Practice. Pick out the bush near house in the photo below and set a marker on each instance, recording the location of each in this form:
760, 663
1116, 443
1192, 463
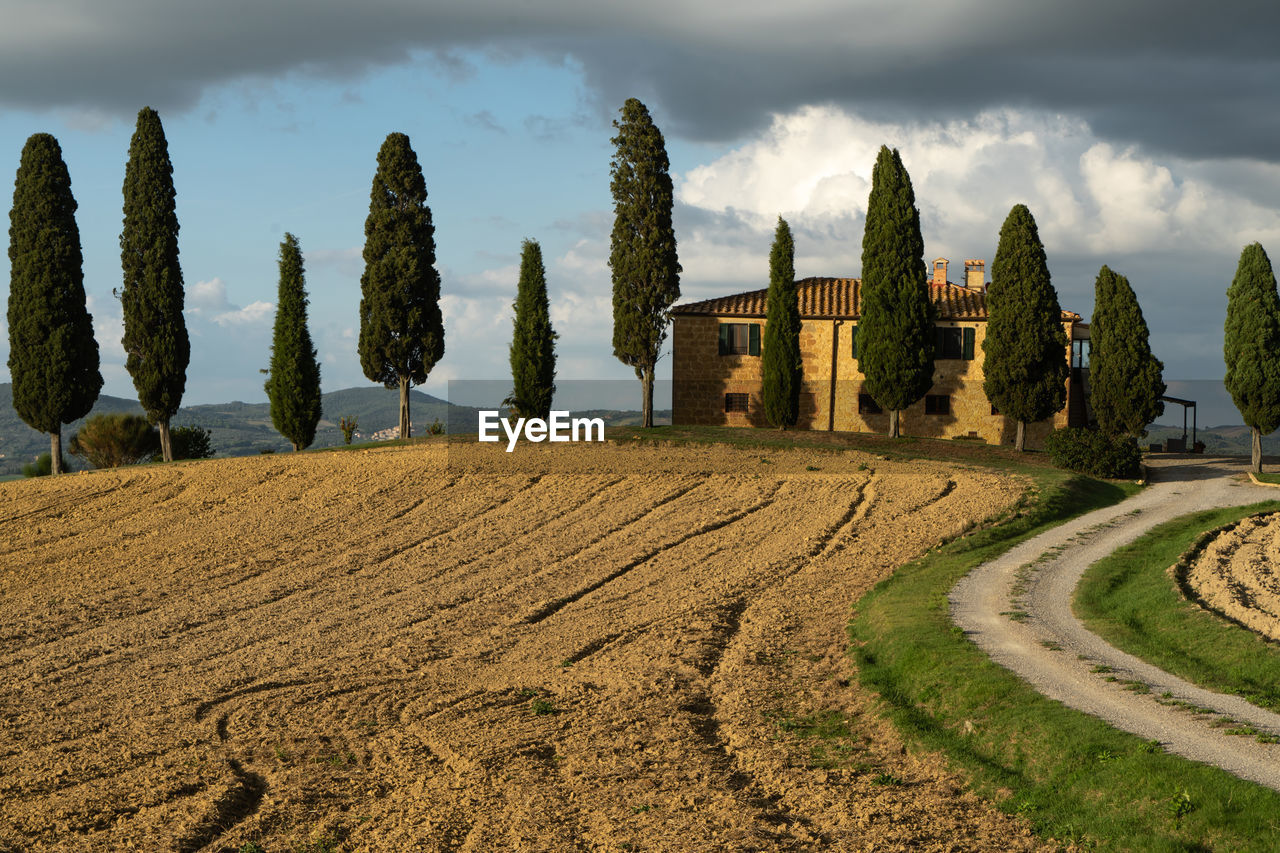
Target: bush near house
1095, 453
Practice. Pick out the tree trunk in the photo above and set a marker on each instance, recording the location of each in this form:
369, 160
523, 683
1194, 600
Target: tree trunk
893, 423
404, 407
646, 382
166, 442
1020, 442
1257, 449
55, 451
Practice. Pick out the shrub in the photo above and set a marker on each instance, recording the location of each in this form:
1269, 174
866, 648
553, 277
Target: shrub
348, 424
42, 467
1094, 453
109, 441
191, 442
436, 428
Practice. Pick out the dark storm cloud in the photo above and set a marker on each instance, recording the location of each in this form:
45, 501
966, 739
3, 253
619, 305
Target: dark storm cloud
1190, 78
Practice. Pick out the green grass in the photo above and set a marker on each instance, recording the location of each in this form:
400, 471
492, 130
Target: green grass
1269, 477
1130, 600
1074, 777
1000, 457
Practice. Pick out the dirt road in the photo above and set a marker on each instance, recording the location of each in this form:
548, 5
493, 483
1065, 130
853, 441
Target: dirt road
1053, 651
601, 648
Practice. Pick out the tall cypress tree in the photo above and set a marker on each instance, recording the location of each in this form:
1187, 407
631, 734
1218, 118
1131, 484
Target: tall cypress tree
1025, 351
156, 345
780, 361
1251, 345
1125, 382
895, 329
401, 328
533, 342
293, 382
642, 256
53, 357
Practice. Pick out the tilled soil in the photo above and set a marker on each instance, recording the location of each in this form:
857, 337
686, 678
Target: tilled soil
596, 648
1236, 574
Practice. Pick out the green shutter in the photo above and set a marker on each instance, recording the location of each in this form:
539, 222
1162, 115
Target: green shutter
969, 336
937, 342
724, 338
853, 333
753, 339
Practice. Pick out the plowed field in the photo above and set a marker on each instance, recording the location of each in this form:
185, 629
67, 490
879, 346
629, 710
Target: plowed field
1238, 574
596, 648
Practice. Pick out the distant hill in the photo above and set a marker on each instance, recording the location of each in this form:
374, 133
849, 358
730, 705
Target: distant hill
244, 429
1225, 440
236, 429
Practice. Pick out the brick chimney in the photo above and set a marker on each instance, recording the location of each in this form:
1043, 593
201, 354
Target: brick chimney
940, 270
975, 276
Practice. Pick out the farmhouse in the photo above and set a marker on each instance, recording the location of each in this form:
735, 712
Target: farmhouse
716, 375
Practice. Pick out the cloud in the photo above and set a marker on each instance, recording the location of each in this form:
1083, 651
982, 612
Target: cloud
813, 167
1178, 76
1173, 225
349, 261
208, 299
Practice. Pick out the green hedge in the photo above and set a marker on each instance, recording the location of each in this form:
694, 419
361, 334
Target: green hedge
1095, 453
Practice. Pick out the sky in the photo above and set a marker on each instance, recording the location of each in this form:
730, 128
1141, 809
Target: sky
1142, 135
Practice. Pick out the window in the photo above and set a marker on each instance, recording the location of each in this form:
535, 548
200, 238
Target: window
951, 342
937, 404
867, 405
739, 338
853, 333
736, 402
1080, 351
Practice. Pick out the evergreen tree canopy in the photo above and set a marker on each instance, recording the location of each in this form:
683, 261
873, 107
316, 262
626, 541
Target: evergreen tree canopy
155, 341
1124, 377
895, 330
401, 328
1025, 350
293, 381
1251, 345
53, 357
780, 360
642, 256
533, 353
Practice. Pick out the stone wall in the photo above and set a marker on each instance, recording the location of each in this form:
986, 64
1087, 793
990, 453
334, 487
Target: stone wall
702, 377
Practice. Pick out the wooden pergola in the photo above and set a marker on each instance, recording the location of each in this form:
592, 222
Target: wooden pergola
1185, 404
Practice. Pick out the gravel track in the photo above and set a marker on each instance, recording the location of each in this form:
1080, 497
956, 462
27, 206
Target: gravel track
1056, 654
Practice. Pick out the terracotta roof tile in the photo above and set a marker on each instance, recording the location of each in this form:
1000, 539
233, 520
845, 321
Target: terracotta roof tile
841, 297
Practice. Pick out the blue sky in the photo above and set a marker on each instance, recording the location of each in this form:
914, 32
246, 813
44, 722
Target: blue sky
274, 117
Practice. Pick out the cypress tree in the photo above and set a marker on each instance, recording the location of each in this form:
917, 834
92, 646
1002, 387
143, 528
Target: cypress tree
155, 341
895, 329
533, 353
1025, 351
642, 256
53, 357
293, 382
780, 361
1125, 379
401, 329
1251, 346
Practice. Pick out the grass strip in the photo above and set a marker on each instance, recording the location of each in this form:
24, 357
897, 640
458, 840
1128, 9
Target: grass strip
1131, 601
1076, 779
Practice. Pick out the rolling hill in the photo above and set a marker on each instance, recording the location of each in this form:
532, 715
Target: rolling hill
244, 429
